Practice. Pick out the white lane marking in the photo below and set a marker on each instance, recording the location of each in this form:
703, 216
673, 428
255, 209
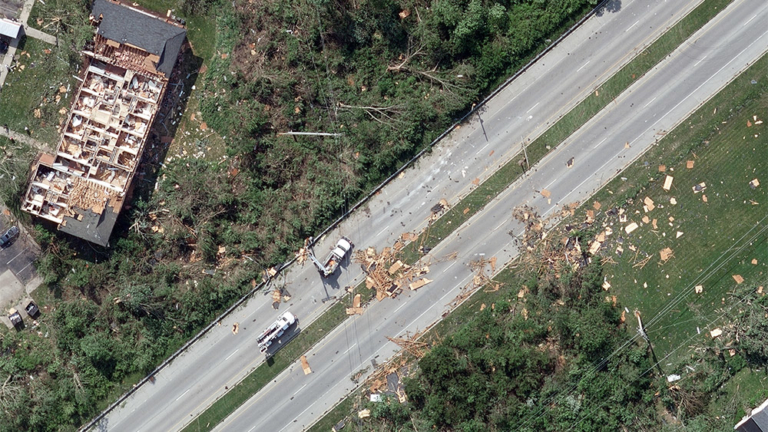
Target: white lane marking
500, 225
598, 144
322, 398
349, 349
182, 395
649, 102
749, 20
380, 232
297, 391
17, 255
537, 103
400, 307
631, 26
582, 67
697, 63
233, 353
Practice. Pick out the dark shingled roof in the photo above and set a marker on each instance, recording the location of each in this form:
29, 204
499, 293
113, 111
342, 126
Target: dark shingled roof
96, 228
150, 33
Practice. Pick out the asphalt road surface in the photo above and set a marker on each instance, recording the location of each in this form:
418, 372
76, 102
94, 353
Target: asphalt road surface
19, 256
652, 106
528, 106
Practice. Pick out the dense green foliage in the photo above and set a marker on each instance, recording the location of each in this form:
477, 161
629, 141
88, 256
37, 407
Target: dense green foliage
388, 75
545, 363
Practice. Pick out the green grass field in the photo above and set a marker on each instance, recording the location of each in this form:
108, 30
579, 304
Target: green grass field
712, 240
34, 85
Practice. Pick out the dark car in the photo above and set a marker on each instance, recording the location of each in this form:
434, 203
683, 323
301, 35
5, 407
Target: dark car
9, 235
3, 46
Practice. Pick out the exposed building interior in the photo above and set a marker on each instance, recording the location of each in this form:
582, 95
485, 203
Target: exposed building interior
83, 186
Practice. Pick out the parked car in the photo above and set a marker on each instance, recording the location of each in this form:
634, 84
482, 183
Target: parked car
8, 235
3, 46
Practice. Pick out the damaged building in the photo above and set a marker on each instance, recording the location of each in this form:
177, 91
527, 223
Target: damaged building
83, 186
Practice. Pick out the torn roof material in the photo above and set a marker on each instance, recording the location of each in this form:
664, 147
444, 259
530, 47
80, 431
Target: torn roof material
9, 28
128, 25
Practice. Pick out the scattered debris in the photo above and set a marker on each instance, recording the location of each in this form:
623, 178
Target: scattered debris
754, 183
235, 328
646, 220
739, 280
569, 163
703, 197
673, 201
754, 261
305, 365
716, 332
631, 227
545, 193
596, 205
662, 168
678, 234
366, 412
699, 187
653, 222
699, 289
689, 164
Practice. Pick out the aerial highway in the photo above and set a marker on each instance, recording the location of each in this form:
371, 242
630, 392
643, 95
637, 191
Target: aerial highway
602, 148
522, 111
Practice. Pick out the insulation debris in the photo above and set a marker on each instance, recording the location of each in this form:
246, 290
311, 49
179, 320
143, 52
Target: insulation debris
668, 183
653, 222
738, 279
754, 261
305, 365
662, 168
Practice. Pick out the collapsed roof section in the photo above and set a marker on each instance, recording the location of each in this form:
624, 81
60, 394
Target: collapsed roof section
83, 186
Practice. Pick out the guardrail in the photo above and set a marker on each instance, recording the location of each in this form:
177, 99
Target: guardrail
338, 221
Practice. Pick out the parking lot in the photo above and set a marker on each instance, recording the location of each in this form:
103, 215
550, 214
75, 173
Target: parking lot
19, 257
10, 8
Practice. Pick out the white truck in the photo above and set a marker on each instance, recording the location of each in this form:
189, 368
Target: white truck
275, 330
329, 266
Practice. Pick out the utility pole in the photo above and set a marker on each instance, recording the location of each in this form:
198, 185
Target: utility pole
640, 328
525, 153
311, 133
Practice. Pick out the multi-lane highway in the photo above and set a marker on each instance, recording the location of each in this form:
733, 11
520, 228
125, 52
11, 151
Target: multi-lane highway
523, 110
608, 143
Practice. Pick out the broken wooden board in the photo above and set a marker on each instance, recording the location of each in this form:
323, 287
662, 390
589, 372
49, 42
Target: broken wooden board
631, 227
668, 183
689, 164
305, 365
419, 283
355, 311
649, 205
395, 267
666, 254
